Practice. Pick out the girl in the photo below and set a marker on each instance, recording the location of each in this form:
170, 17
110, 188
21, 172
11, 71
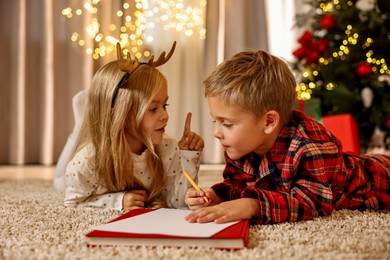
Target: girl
123, 159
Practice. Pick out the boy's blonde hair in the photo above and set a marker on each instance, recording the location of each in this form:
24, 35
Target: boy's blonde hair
255, 81
107, 128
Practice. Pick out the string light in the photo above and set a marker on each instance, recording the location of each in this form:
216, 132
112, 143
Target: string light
330, 86
305, 90
136, 18
326, 7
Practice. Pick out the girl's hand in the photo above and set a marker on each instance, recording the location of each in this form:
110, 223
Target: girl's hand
227, 211
134, 199
190, 140
194, 199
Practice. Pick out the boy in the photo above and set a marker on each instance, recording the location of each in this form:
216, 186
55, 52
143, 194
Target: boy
280, 165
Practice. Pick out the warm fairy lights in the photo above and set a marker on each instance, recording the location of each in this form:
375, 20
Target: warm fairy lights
175, 15
136, 18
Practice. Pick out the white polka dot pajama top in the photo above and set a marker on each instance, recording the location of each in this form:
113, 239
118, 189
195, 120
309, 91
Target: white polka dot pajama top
82, 188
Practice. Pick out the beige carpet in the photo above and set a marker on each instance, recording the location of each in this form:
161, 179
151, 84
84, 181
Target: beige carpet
35, 225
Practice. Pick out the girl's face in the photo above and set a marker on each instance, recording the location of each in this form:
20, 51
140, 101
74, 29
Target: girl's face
238, 131
156, 116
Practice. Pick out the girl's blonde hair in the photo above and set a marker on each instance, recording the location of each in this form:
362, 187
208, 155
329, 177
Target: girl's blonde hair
106, 128
255, 81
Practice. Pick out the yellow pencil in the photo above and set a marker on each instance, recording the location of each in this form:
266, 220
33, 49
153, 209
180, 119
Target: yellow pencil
193, 184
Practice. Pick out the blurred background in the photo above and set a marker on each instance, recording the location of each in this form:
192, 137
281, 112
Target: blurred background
52, 48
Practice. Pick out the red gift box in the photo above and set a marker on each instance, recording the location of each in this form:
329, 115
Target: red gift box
344, 127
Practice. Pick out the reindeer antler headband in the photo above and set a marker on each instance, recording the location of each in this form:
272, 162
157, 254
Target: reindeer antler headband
128, 65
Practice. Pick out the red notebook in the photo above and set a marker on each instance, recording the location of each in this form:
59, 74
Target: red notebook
232, 237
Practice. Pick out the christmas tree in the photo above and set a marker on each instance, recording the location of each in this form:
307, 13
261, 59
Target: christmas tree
343, 59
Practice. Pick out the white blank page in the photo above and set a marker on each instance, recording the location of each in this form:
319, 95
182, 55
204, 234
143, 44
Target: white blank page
164, 222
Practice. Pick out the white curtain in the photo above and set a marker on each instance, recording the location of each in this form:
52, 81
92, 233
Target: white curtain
41, 70
39, 73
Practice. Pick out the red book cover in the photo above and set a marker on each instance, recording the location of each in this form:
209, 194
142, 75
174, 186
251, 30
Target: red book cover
233, 237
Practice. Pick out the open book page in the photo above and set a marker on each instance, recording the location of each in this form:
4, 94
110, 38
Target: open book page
164, 222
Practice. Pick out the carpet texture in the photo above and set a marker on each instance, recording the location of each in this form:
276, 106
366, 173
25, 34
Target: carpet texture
35, 225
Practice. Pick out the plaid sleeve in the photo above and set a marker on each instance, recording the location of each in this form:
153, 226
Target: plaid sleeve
233, 184
301, 190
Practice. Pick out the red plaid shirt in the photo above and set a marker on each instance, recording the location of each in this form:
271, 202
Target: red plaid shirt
306, 175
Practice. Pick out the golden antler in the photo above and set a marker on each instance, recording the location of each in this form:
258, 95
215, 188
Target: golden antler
126, 65
162, 59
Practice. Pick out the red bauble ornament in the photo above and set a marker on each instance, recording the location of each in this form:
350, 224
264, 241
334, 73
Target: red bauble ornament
328, 22
322, 45
364, 69
388, 124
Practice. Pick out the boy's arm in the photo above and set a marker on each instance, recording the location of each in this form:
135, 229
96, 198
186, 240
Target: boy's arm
232, 185
227, 211
302, 193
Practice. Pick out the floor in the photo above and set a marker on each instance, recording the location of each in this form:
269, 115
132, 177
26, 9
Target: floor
208, 175
27, 172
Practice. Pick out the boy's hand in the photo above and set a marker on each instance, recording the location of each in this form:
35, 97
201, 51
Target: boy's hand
134, 199
227, 211
194, 199
190, 140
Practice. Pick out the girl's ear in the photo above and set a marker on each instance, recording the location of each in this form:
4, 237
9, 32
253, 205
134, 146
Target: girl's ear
272, 121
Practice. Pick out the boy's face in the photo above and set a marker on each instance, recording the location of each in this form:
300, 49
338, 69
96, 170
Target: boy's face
156, 116
238, 131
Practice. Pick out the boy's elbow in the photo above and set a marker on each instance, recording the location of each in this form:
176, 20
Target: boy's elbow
329, 210
326, 210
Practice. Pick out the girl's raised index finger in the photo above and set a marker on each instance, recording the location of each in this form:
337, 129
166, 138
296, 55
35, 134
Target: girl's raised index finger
187, 125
